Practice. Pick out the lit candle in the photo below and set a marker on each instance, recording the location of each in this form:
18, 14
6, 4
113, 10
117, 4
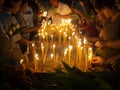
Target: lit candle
21, 62
80, 56
64, 40
69, 39
73, 39
52, 39
43, 38
36, 62
54, 50
90, 55
44, 59
46, 35
42, 49
65, 53
86, 53
78, 48
51, 55
39, 35
59, 37
85, 41
70, 48
34, 53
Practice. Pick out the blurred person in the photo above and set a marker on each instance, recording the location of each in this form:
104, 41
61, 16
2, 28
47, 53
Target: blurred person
34, 5
111, 36
10, 52
22, 22
58, 11
1, 4
26, 30
89, 16
28, 16
10, 23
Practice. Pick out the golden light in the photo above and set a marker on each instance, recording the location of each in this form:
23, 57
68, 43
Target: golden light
21, 61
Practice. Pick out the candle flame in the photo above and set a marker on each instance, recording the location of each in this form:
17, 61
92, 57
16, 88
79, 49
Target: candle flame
70, 47
51, 55
65, 52
36, 56
33, 44
54, 46
21, 61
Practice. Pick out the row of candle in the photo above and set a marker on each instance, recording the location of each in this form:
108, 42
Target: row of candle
66, 37
79, 55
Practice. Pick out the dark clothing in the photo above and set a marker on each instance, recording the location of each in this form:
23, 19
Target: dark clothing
20, 20
111, 32
7, 19
10, 52
91, 31
23, 24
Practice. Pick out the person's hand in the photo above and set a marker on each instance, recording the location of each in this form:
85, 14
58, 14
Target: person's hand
62, 16
114, 62
58, 15
97, 61
75, 11
101, 34
116, 66
36, 28
111, 60
100, 44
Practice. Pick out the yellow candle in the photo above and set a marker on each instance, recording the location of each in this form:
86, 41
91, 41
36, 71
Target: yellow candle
69, 39
36, 62
34, 53
59, 37
21, 61
44, 59
65, 53
52, 39
39, 35
85, 41
23, 65
51, 55
42, 49
69, 61
64, 38
90, 54
54, 51
46, 35
43, 38
80, 56
73, 39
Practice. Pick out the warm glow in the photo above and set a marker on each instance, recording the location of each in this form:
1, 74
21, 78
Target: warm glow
33, 44
36, 56
44, 14
85, 41
53, 45
51, 55
21, 61
65, 52
70, 47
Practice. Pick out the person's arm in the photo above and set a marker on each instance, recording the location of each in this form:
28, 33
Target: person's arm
114, 62
93, 39
82, 14
31, 29
28, 30
115, 44
112, 59
62, 16
23, 41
